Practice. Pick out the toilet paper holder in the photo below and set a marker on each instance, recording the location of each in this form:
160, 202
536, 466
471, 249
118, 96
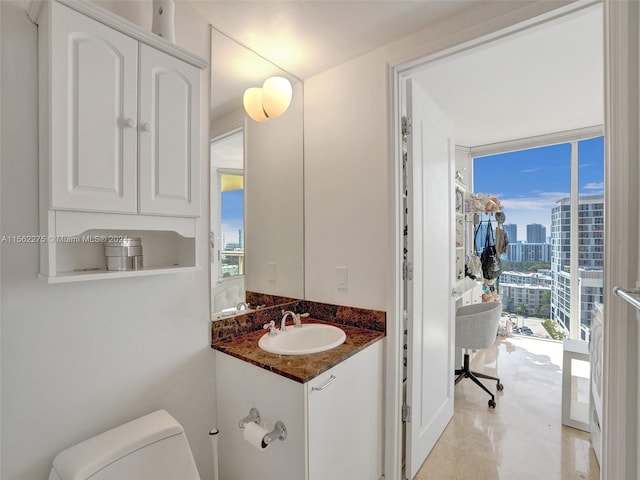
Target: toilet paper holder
279, 431
254, 416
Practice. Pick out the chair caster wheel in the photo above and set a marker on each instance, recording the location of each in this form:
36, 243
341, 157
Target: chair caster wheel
492, 403
499, 387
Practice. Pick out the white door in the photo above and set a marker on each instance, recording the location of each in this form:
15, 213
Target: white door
430, 328
169, 140
93, 113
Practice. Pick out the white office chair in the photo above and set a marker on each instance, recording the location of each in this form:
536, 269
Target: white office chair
477, 327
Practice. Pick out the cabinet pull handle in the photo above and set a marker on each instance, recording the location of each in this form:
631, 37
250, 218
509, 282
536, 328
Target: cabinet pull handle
131, 123
332, 379
146, 126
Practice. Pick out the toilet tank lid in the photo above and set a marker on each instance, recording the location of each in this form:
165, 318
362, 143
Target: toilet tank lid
86, 458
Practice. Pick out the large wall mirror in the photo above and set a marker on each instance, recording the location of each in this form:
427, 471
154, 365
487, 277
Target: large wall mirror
257, 224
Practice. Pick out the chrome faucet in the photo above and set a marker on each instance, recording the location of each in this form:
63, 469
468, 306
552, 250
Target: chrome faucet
294, 317
242, 306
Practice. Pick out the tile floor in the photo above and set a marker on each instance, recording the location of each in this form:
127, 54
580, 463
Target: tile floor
523, 438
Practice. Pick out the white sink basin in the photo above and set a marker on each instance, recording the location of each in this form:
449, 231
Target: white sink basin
309, 338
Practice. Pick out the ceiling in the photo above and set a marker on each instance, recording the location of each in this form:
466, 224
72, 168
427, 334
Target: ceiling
306, 37
543, 80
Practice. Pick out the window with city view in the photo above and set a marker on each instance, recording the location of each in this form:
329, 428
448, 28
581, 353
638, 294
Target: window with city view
549, 278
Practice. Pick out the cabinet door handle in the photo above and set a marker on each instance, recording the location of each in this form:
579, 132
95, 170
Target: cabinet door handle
332, 379
146, 126
131, 123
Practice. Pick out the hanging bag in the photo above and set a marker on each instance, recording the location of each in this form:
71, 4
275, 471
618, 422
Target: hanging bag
474, 264
490, 260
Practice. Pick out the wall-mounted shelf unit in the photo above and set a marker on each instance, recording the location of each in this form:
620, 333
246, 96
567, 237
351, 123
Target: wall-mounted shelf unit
119, 143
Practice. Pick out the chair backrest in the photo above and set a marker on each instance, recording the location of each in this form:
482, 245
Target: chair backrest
477, 324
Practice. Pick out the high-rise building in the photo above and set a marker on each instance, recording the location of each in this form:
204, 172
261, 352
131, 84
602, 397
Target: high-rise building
590, 259
511, 230
526, 278
536, 233
529, 252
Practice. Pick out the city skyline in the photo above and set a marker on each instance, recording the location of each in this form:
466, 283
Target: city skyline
534, 188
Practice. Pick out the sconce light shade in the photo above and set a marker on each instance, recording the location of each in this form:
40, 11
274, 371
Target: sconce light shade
276, 96
252, 101
270, 101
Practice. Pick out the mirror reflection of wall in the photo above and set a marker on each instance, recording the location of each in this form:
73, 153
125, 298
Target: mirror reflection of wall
265, 256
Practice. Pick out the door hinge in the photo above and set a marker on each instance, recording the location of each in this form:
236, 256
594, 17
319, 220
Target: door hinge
406, 413
406, 126
407, 270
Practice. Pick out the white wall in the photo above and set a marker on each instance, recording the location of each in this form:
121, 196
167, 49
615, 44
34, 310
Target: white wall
348, 171
346, 196
84, 357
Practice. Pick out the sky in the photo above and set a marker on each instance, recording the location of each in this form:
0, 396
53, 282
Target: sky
232, 215
530, 182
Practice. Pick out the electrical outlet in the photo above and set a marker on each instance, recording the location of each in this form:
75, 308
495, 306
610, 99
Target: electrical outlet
342, 280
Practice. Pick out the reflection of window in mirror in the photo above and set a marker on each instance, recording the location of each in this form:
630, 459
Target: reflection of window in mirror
231, 223
227, 221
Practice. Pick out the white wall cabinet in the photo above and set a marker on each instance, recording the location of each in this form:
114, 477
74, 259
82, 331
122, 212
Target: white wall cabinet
169, 139
116, 102
93, 92
119, 141
334, 422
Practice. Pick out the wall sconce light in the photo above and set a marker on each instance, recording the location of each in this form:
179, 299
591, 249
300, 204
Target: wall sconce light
270, 101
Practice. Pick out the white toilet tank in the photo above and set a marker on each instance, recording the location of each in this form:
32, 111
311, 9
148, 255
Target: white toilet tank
153, 447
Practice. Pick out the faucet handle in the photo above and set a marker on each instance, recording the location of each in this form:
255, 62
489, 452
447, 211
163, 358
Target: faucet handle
298, 322
272, 328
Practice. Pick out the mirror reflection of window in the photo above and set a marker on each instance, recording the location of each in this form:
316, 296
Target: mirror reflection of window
227, 221
231, 224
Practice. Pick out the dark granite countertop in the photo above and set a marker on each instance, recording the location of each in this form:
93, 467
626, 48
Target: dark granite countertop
300, 368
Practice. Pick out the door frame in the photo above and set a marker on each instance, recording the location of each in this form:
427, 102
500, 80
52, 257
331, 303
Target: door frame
619, 432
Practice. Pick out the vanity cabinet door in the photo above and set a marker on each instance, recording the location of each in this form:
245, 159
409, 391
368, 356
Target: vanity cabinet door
93, 104
345, 419
169, 139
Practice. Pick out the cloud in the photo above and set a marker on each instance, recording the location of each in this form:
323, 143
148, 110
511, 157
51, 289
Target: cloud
541, 201
598, 186
530, 170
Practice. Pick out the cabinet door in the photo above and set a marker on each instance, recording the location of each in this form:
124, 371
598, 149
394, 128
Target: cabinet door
169, 135
93, 115
345, 419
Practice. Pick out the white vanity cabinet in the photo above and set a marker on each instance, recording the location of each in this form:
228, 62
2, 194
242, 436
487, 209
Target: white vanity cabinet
119, 135
124, 121
344, 417
334, 421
